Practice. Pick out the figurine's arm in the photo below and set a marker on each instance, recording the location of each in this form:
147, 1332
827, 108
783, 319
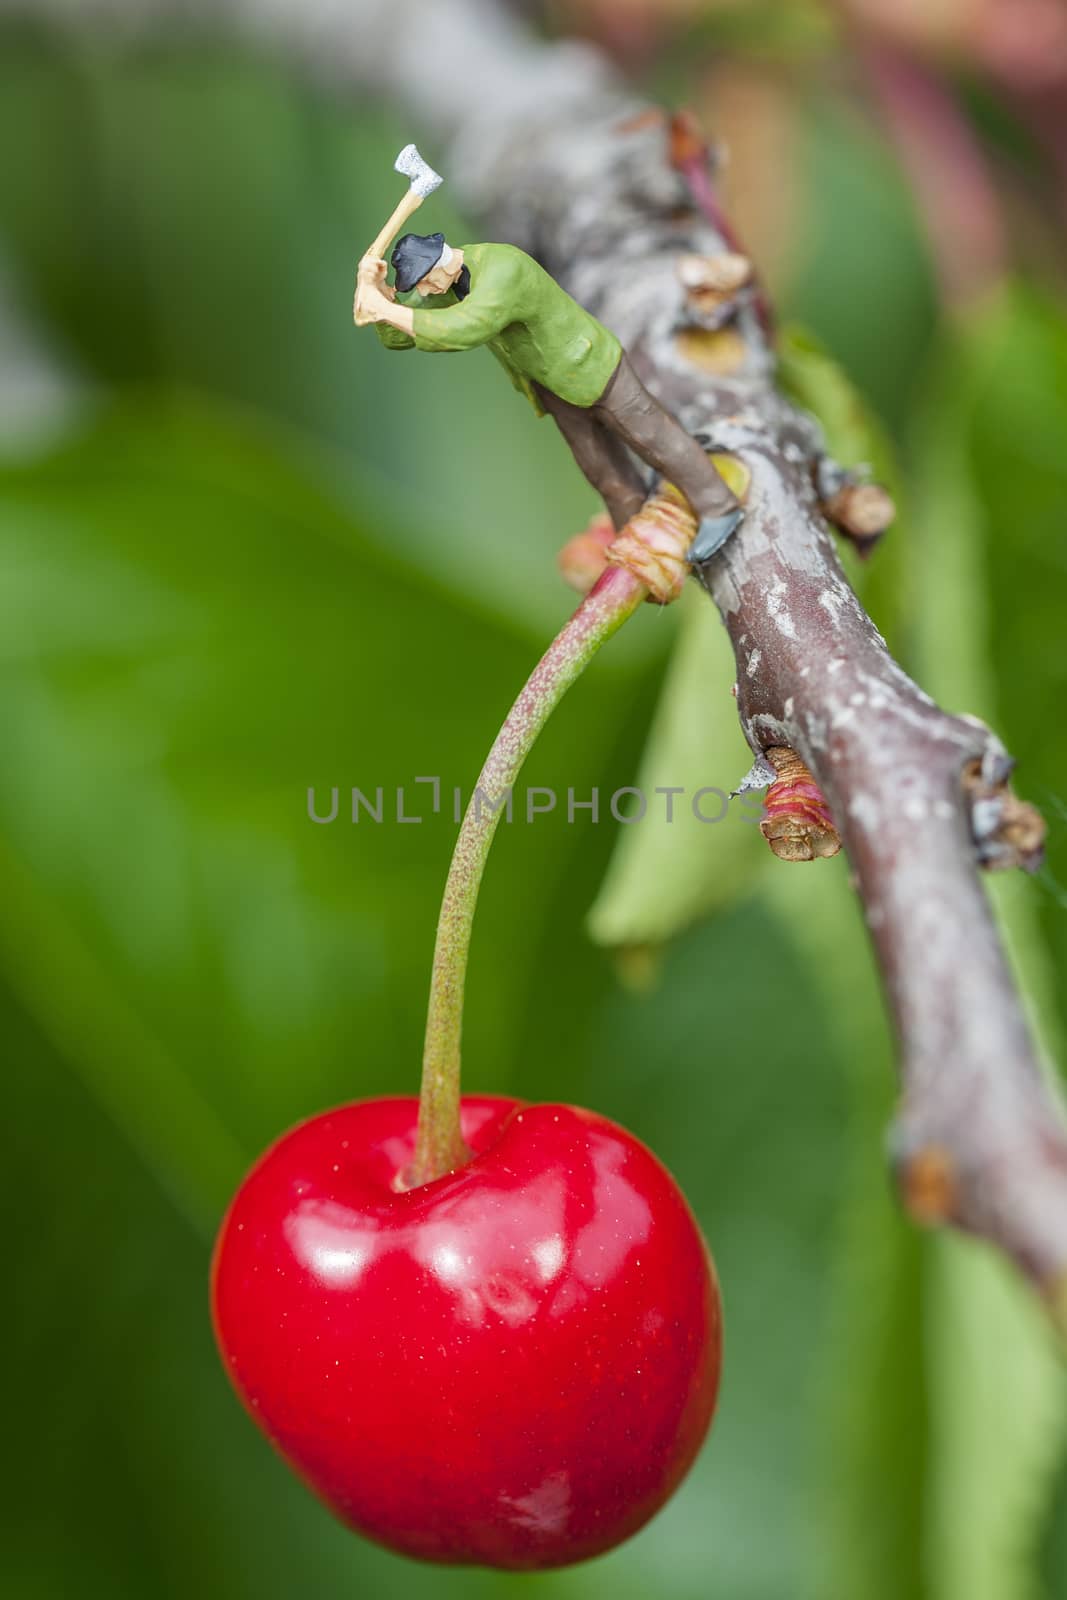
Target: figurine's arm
488, 309
376, 303
493, 302
393, 322
394, 338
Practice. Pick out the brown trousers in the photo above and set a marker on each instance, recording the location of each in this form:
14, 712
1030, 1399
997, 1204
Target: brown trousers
627, 415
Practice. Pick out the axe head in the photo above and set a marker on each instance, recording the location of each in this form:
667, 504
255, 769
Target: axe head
424, 180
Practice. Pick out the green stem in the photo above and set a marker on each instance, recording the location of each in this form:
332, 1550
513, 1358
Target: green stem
439, 1145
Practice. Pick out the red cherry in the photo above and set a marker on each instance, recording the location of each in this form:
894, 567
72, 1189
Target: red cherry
513, 1365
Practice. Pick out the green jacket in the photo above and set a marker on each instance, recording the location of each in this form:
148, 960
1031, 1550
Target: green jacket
531, 325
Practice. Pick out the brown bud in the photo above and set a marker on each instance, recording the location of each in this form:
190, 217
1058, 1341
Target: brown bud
1007, 831
796, 823
928, 1185
712, 285
687, 142
863, 512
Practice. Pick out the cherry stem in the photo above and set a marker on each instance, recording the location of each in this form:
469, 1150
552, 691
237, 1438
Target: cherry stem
439, 1146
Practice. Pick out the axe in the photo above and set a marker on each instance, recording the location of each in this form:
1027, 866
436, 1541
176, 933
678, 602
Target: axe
424, 180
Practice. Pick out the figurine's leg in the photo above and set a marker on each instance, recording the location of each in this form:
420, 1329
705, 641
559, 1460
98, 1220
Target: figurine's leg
659, 438
602, 456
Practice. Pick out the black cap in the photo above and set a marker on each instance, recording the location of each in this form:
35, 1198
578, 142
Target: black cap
415, 255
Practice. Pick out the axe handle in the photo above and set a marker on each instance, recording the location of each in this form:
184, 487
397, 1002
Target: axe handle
410, 204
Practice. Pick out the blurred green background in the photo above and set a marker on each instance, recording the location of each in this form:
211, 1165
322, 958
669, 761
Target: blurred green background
244, 551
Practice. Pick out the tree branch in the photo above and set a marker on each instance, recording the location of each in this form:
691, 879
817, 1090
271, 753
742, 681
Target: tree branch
558, 159
979, 1139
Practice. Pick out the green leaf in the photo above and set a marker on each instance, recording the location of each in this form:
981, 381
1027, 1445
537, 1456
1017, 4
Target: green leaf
998, 1391
809, 374
191, 634
733, 1072
859, 267
871, 1473
666, 874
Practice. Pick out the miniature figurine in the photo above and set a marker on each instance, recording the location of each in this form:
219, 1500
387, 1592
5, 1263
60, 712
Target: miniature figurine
567, 363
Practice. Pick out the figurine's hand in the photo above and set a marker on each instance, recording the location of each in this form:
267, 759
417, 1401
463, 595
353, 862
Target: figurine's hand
370, 305
372, 270
371, 290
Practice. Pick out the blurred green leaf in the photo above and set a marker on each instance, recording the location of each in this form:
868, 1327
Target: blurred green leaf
732, 1071
192, 636
1016, 381
860, 277
766, 29
998, 1392
194, 218
136, 1475
665, 874
810, 376
871, 1475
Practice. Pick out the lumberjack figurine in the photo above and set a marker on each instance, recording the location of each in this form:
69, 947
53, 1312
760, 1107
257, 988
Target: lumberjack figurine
565, 362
